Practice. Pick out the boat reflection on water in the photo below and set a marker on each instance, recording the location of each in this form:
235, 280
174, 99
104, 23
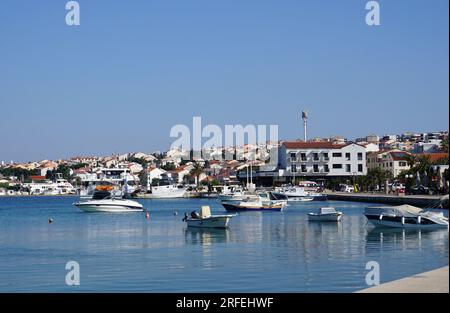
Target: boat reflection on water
206, 236
406, 238
326, 228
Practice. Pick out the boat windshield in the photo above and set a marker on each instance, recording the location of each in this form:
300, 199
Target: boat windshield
327, 210
100, 195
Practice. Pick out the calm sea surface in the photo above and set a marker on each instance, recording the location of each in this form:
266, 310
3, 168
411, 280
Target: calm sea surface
261, 252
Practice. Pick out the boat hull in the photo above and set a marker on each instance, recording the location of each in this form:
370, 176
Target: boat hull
237, 208
396, 222
325, 217
166, 194
294, 197
300, 199
210, 222
114, 206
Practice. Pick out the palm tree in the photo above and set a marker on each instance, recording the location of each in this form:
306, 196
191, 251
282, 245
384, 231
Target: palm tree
410, 160
423, 164
378, 176
444, 144
196, 171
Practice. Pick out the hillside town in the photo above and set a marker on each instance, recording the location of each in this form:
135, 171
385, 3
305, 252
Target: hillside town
418, 162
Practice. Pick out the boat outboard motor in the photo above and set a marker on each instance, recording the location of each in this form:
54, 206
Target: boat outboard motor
186, 216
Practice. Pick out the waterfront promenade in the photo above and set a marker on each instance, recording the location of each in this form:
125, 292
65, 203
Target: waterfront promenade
391, 199
429, 282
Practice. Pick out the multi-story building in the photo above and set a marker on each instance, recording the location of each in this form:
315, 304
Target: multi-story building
394, 161
322, 159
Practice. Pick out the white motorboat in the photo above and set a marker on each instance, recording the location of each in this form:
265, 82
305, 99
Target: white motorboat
206, 220
236, 196
166, 189
405, 216
228, 194
166, 192
300, 199
259, 202
102, 201
297, 192
327, 214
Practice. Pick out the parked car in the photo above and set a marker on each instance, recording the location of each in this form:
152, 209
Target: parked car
420, 190
346, 188
397, 186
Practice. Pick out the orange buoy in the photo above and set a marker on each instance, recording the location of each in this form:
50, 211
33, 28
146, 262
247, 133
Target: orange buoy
147, 215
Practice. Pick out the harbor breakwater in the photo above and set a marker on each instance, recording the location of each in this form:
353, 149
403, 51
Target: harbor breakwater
415, 200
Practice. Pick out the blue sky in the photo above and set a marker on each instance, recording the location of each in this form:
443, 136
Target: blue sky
133, 69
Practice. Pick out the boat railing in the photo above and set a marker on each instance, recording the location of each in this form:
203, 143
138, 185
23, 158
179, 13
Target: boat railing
437, 203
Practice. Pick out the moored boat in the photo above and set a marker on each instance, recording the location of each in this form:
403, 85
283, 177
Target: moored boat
327, 214
206, 220
260, 202
405, 216
295, 193
300, 199
102, 201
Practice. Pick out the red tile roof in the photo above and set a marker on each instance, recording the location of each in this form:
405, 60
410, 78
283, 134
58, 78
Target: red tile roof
433, 157
399, 156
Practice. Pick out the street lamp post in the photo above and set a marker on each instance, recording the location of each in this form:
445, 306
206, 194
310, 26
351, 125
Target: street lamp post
408, 180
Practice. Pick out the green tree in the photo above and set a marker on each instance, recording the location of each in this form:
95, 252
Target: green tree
143, 178
62, 169
78, 166
444, 144
196, 171
168, 167
411, 160
378, 176
19, 172
140, 161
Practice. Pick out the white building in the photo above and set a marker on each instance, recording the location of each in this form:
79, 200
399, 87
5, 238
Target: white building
147, 157
373, 138
322, 159
154, 172
371, 147
394, 161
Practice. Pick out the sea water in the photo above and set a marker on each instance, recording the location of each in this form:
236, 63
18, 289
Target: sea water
260, 252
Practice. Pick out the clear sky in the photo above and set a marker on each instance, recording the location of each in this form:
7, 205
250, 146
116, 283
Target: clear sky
133, 69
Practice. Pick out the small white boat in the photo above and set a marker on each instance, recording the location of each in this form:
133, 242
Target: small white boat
102, 201
300, 199
405, 216
298, 192
327, 214
206, 220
